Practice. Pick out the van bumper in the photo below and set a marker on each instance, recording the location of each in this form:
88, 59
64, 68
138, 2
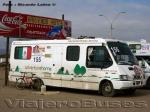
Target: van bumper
127, 84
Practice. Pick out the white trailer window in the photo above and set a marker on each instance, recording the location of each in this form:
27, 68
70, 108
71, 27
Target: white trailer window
73, 53
23, 53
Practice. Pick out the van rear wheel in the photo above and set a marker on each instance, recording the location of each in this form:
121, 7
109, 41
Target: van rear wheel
107, 89
20, 83
37, 84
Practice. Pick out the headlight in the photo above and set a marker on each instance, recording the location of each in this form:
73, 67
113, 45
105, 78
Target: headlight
123, 77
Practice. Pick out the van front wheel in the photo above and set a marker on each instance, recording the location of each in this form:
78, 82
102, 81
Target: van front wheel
107, 89
148, 83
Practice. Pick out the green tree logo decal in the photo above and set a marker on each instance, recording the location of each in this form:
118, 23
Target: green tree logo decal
61, 70
17, 69
79, 70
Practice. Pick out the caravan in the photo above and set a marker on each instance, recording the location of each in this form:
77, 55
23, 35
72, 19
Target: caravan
91, 64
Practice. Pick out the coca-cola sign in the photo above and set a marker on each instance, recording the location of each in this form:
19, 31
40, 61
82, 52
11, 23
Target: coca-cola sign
29, 26
12, 20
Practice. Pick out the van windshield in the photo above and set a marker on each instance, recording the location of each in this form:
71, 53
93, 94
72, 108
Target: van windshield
122, 53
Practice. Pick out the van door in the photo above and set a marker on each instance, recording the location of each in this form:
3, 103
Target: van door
71, 58
97, 61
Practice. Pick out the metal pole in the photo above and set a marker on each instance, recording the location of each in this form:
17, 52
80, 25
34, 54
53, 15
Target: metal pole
63, 17
19, 28
111, 22
111, 28
7, 52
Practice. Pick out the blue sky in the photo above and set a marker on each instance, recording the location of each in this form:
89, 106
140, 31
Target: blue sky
84, 14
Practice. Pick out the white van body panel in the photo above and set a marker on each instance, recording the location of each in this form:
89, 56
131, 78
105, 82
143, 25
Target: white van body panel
52, 67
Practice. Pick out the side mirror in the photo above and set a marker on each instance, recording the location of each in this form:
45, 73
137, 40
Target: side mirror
142, 64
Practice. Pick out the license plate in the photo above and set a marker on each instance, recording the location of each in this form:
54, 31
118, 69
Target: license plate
138, 82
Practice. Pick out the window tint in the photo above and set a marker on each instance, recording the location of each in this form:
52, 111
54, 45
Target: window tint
23, 53
73, 53
122, 53
98, 57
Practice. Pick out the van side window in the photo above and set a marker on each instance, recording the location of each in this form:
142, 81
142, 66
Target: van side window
98, 57
73, 53
23, 53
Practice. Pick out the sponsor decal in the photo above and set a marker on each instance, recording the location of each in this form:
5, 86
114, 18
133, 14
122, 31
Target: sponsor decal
78, 70
48, 55
41, 68
38, 49
16, 20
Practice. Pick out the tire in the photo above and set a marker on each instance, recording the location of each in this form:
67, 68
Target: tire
129, 91
107, 89
20, 83
148, 83
37, 84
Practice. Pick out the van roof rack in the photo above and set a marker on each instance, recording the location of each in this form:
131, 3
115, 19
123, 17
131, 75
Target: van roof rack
86, 37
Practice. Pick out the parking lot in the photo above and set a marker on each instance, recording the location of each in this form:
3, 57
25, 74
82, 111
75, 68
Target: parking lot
69, 100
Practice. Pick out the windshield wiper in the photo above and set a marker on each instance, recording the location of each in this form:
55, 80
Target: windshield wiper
124, 62
133, 62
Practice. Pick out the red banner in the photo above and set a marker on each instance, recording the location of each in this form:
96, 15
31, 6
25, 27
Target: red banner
29, 26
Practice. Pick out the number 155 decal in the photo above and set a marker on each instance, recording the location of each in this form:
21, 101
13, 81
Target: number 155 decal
37, 59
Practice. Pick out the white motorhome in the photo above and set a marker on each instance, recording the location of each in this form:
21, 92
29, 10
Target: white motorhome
89, 64
142, 52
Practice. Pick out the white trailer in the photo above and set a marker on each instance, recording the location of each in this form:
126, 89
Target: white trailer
142, 52
89, 64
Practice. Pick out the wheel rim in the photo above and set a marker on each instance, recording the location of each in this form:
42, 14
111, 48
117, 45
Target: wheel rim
37, 85
108, 88
20, 84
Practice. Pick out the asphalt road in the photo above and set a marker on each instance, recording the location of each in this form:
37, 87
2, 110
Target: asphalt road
69, 100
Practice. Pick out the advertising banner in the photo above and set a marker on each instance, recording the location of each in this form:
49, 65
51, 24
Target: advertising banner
19, 25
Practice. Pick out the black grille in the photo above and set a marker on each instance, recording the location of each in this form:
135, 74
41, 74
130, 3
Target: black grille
130, 68
137, 77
